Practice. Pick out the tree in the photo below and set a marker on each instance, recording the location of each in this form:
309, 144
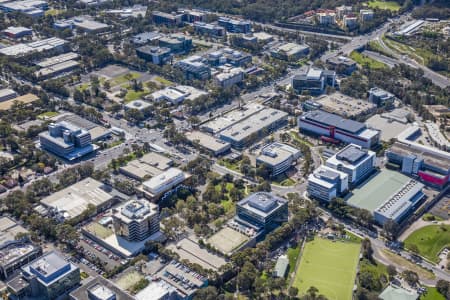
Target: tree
293, 291
78, 96
208, 293
390, 229
411, 277
392, 271
414, 249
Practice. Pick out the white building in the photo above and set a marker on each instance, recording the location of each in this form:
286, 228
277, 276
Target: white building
163, 182
229, 77
326, 18
326, 183
136, 220
366, 15
178, 94
354, 161
278, 157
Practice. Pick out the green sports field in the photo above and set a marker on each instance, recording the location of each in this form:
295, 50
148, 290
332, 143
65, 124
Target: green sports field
330, 267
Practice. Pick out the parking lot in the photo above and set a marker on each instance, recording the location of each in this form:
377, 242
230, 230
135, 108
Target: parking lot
92, 251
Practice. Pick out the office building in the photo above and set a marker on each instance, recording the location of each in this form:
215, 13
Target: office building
47, 45
146, 38
17, 32
176, 95
72, 201
355, 161
134, 11
326, 183
67, 140
229, 56
229, 77
163, 182
366, 15
149, 165
136, 220
139, 105
194, 67
281, 266
157, 290
290, 51
437, 138
326, 18
25, 100
235, 26
14, 252
7, 94
161, 18
278, 157
314, 81
254, 127
155, 55
392, 292
332, 126
57, 65
209, 143
31, 8
342, 65
192, 15
99, 288
349, 21
177, 43
262, 211
49, 277
431, 165
343, 10
380, 97
209, 29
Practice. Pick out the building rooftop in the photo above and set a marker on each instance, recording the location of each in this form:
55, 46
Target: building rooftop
276, 153
87, 23
137, 104
428, 156
49, 268
57, 59
101, 288
261, 203
181, 278
149, 165
16, 30
73, 200
207, 141
398, 293
136, 210
291, 48
253, 124
344, 105
351, 154
155, 290
334, 120
146, 37
37, 46
25, 99
163, 179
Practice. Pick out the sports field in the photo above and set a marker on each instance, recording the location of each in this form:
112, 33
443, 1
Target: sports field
386, 5
430, 240
330, 267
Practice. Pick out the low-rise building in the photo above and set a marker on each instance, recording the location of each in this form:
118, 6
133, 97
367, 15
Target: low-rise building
290, 51
139, 105
380, 97
229, 56
326, 18
342, 64
48, 277
177, 43
235, 26
72, 201
154, 54
194, 68
7, 94
146, 38
229, 77
176, 95
366, 15
262, 211
46, 45
67, 141
326, 183
281, 266
350, 21
17, 32
334, 127
82, 23
314, 81
14, 251
355, 161
162, 183
162, 18
99, 288
209, 29
345, 106
149, 165
278, 157
210, 143
57, 65
31, 8
136, 220
254, 127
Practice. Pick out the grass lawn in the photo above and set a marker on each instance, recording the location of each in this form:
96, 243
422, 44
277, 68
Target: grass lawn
124, 78
134, 95
163, 81
84, 87
387, 5
362, 60
431, 217
292, 255
52, 12
235, 166
432, 294
330, 266
407, 264
430, 240
127, 280
299, 139
47, 115
283, 180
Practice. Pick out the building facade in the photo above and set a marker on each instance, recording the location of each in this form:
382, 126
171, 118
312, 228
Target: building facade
278, 157
326, 183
